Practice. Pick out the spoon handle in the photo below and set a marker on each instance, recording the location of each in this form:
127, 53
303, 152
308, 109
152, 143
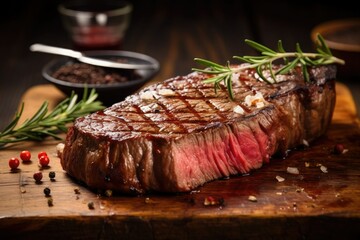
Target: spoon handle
55, 50
149, 63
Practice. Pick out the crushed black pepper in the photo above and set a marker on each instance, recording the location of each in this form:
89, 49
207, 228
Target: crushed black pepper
86, 73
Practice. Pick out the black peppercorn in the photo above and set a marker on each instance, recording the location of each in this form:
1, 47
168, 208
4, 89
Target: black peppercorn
51, 175
47, 191
339, 148
91, 205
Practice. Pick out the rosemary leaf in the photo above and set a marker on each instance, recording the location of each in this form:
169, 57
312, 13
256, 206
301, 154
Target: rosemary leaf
298, 49
38, 115
228, 84
269, 54
323, 45
253, 59
259, 72
288, 67
261, 48
14, 122
305, 73
280, 47
207, 63
272, 73
216, 79
310, 62
210, 71
282, 50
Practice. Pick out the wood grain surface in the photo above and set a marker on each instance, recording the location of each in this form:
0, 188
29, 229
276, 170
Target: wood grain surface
311, 205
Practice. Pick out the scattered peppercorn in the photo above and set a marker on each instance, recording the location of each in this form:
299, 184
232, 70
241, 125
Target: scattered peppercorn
14, 163
91, 205
50, 202
339, 148
47, 191
52, 175
38, 176
77, 190
211, 201
25, 156
44, 161
41, 154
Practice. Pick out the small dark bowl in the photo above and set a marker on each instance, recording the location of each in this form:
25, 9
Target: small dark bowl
107, 93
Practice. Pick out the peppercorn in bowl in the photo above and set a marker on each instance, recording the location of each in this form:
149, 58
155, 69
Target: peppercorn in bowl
111, 84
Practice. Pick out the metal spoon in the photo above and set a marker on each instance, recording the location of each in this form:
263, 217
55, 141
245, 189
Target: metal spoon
90, 60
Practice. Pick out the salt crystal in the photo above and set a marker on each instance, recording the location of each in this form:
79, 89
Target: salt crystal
292, 170
280, 179
255, 100
260, 104
148, 95
166, 92
306, 143
235, 77
323, 169
252, 198
146, 109
239, 109
59, 149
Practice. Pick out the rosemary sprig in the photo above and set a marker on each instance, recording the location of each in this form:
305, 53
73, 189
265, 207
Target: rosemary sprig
48, 124
265, 61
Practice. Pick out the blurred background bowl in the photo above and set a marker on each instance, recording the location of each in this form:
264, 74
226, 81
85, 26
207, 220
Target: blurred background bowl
109, 93
343, 38
95, 25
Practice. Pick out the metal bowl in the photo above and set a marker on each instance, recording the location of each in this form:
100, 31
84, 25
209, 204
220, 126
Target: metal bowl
108, 93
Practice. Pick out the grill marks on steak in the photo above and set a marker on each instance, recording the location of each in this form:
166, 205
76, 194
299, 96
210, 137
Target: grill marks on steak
179, 134
181, 113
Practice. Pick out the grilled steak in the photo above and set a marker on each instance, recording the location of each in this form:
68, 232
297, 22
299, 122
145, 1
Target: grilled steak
179, 134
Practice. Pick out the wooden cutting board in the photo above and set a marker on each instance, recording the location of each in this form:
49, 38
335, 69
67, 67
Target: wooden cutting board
311, 205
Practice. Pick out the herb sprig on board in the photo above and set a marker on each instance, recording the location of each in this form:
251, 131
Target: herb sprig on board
265, 61
45, 123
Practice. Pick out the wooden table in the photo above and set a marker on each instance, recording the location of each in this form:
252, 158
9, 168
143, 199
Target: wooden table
311, 205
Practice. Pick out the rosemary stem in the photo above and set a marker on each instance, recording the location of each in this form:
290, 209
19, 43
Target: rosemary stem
47, 123
266, 60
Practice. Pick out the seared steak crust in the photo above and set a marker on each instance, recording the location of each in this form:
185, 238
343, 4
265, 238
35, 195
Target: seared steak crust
179, 134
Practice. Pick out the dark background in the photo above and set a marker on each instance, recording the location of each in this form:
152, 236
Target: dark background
173, 32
